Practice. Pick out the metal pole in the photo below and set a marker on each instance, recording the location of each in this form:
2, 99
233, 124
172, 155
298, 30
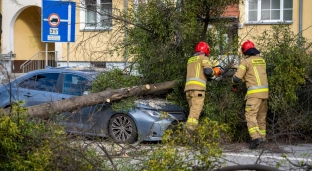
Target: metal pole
300, 22
38, 61
0, 28
68, 54
126, 34
46, 55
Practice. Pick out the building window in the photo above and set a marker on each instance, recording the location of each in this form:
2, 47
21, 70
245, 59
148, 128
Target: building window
268, 11
96, 14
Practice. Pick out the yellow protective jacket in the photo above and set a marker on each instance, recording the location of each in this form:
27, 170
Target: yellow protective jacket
195, 77
252, 70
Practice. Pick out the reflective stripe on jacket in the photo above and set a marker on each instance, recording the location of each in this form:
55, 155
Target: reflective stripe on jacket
252, 70
195, 77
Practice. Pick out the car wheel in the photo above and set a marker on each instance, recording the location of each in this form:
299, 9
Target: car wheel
122, 129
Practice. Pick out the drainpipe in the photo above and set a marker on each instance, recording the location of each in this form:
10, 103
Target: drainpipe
300, 22
126, 30
0, 28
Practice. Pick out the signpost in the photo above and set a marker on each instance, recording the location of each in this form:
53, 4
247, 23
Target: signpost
58, 22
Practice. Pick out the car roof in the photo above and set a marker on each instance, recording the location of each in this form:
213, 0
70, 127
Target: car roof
74, 69
88, 72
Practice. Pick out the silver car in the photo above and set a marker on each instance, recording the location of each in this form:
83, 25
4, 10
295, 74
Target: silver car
147, 121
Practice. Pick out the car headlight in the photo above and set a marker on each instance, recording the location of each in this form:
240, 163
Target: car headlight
156, 114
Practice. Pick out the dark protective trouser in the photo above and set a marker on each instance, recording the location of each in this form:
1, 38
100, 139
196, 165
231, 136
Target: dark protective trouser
256, 112
195, 100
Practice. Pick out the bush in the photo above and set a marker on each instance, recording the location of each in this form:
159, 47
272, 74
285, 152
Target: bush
190, 150
31, 144
288, 65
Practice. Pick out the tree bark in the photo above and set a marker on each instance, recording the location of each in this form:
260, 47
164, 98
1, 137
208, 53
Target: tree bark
46, 110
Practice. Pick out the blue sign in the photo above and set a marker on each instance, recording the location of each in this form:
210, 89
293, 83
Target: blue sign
58, 21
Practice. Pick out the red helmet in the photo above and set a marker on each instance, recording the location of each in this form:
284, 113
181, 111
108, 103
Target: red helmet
247, 45
202, 47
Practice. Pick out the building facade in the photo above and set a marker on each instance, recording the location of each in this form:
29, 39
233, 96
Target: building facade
259, 15
96, 31
21, 36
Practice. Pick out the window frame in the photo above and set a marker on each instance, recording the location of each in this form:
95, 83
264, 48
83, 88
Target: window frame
259, 12
53, 89
83, 20
85, 86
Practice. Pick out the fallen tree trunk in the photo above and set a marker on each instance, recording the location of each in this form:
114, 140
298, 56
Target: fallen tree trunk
47, 110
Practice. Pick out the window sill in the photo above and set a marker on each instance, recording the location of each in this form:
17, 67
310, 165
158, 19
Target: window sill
268, 23
95, 29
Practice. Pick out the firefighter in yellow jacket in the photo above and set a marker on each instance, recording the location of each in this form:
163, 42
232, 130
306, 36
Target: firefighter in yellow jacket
199, 70
252, 71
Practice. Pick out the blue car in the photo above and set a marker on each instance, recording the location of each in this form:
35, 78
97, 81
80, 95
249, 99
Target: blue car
147, 121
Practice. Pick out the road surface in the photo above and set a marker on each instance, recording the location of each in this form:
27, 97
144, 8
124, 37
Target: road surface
286, 157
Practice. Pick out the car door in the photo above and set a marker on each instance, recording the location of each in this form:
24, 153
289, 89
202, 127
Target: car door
83, 120
38, 88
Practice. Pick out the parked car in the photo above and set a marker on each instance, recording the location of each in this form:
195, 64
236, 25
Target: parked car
147, 121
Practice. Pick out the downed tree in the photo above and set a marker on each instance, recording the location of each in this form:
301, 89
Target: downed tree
46, 110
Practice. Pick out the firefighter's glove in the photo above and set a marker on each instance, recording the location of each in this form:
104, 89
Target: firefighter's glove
234, 87
217, 71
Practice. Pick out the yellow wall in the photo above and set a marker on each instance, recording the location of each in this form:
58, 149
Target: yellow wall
27, 34
255, 29
95, 45
307, 18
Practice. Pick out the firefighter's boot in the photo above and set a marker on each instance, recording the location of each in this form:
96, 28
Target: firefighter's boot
255, 143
